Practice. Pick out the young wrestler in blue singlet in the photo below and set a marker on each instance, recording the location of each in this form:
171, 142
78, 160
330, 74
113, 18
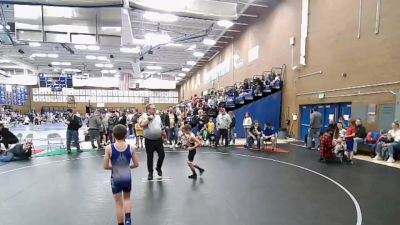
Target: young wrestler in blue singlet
117, 158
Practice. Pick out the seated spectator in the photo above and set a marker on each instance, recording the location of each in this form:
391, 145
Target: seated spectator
326, 146
7, 137
360, 135
276, 83
269, 134
339, 141
18, 152
255, 134
390, 143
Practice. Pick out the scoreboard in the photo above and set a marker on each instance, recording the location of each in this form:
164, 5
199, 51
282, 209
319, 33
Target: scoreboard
55, 83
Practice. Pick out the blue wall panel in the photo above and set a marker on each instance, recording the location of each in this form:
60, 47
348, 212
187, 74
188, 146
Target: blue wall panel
267, 109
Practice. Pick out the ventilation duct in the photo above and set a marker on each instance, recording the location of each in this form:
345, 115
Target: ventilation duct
68, 24
71, 3
206, 9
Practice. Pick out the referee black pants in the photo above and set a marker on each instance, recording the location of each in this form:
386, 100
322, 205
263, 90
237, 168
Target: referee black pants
151, 147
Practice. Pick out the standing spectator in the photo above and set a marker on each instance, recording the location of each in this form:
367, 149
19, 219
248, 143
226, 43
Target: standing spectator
95, 126
224, 121
339, 138
171, 125
392, 144
360, 135
129, 122
112, 122
350, 133
152, 127
232, 135
255, 134
247, 123
315, 128
74, 123
7, 137
122, 119
203, 119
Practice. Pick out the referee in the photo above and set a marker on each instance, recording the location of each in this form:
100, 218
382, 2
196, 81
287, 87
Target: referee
152, 127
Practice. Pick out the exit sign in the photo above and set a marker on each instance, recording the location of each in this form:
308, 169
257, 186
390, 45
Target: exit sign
321, 95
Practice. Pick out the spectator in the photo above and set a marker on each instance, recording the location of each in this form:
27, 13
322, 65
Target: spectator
211, 131
350, 133
129, 118
269, 134
171, 125
122, 119
18, 152
95, 126
224, 121
315, 128
7, 137
326, 150
74, 123
255, 133
339, 141
232, 134
247, 123
360, 135
112, 122
391, 143
139, 135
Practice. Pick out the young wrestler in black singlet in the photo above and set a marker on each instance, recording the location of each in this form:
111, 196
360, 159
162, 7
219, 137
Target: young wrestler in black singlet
192, 143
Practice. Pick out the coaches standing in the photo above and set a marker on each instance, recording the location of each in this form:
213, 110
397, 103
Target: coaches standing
94, 129
152, 127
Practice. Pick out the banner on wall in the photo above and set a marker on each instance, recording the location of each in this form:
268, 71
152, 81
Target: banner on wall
237, 60
253, 53
220, 70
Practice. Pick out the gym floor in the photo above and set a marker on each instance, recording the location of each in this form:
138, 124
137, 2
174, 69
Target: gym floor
239, 187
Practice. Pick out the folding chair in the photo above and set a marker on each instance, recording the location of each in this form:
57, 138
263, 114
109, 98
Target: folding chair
54, 139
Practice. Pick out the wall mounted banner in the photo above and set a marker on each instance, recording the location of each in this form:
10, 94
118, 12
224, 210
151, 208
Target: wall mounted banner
218, 71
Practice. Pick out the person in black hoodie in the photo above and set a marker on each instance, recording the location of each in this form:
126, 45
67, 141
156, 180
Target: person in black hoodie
361, 133
74, 123
18, 152
7, 137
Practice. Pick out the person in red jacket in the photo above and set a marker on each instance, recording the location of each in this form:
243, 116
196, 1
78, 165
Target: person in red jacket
326, 146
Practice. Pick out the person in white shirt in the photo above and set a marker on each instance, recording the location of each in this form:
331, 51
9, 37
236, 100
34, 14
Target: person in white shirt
223, 123
392, 146
247, 123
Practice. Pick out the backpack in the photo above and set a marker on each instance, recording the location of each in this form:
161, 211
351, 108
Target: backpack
80, 123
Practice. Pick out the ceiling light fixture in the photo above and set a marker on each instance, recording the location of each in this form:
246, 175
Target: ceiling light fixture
5, 61
191, 63
108, 65
102, 58
72, 70
34, 44
185, 69
225, 23
93, 47
81, 47
52, 55
154, 67
130, 50
100, 65
91, 57
209, 42
192, 48
181, 74
160, 17
198, 54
